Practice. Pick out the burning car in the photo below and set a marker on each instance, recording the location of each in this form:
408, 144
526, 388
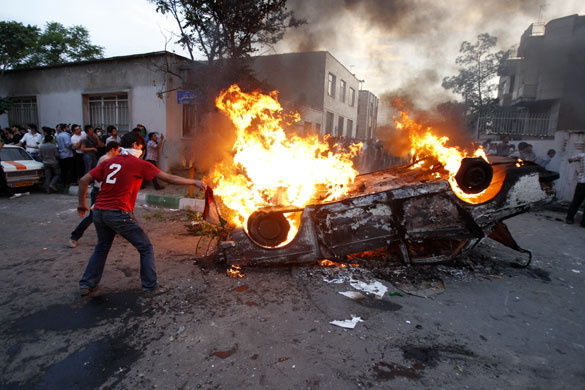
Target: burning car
438, 207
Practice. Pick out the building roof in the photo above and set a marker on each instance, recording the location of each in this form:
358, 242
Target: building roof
102, 60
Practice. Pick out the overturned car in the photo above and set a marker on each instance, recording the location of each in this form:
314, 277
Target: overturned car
414, 212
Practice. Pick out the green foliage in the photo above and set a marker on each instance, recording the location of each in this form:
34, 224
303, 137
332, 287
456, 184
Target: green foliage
58, 44
27, 46
478, 67
17, 42
229, 29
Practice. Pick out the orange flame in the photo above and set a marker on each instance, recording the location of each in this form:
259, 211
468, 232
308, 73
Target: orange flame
235, 271
271, 168
426, 144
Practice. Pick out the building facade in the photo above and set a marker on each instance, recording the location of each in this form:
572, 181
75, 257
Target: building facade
119, 91
367, 115
318, 86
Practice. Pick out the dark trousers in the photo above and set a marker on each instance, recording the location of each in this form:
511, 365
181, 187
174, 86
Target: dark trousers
3, 184
67, 170
79, 166
578, 198
85, 222
154, 181
107, 224
52, 174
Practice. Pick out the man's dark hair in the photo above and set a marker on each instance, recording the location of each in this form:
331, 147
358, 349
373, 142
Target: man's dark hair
129, 138
48, 138
551, 151
522, 145
87, 127
150, 135
73, 126
32, 126
110, 128
112, 145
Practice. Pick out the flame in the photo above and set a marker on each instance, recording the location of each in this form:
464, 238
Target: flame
426, 144
329, 263
271, 168
235, 271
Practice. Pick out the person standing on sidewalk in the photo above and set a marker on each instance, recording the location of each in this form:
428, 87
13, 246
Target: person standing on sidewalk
152, 152
112, 150
50, 158
579, 195
121, 177
32, 142
76, 139
90, 146
66, 159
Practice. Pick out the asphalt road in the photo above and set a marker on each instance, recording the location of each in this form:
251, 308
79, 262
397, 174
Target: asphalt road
484, 324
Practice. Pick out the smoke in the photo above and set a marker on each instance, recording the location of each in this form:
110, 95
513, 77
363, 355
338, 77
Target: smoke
405, 45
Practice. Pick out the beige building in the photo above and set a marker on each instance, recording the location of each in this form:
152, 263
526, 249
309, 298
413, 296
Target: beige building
367, 120
317, 85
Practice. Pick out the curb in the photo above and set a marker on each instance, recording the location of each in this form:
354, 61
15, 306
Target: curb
169, 202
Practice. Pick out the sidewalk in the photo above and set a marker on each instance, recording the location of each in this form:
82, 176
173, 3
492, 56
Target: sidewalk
172, 197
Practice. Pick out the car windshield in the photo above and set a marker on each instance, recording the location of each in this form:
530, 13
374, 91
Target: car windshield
14, 154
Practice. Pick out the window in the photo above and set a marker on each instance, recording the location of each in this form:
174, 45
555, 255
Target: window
349, 130
331, 85
351, 96
111, 109
342, 90
329, 123
23, 111
307, 129
340, 122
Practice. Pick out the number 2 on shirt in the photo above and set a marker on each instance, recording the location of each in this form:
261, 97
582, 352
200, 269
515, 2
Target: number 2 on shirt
110, 179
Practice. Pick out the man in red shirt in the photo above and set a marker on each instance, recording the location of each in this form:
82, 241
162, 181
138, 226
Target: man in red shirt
121, 177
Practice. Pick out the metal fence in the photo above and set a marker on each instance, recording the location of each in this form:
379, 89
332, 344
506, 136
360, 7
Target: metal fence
109, 110
516, 124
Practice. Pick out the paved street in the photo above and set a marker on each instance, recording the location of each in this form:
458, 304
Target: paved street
484, 323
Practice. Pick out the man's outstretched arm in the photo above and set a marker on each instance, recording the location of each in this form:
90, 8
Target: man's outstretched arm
182, 181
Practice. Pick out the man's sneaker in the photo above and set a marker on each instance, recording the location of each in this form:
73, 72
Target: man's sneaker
569, 221
158, 290
72, 243
53, 188
15, 196
84, 290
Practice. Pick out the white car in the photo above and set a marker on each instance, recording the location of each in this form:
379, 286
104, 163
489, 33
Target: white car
20, 168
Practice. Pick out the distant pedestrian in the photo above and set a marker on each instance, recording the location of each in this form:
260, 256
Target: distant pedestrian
66, 159
113, 135
76, 139
32, 141
49, 155
89, 146
545, 160
153, 147
579, 195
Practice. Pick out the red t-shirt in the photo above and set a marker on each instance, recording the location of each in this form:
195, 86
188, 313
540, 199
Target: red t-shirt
121, 177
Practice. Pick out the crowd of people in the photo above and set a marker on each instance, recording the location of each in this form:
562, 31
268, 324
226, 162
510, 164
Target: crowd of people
68, 152
524, 151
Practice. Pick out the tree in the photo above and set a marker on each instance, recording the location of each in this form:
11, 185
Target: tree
478, 68
228, 28
58, 44
17, 42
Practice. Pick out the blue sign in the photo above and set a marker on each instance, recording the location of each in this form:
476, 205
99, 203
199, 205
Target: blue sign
187, 97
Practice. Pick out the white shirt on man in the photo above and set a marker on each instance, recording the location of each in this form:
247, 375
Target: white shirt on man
76, 139
32, 140
111, 138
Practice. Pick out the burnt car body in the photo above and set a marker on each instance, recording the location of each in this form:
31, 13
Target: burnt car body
413, 213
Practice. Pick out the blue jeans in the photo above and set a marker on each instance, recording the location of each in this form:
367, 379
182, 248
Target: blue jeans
107, 224
85, 222
89, 161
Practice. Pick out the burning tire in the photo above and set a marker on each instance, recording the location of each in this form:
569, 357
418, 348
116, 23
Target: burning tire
474, 175
268, 229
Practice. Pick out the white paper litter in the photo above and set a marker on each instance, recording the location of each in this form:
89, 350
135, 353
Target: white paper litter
352, 294
336, 281
376, 288
349, 324
576, 271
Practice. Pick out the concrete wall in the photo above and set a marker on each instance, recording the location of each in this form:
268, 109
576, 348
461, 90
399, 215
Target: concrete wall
60, 90
367, 115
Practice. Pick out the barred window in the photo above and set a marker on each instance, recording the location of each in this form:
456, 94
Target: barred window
23, 111
111, 109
